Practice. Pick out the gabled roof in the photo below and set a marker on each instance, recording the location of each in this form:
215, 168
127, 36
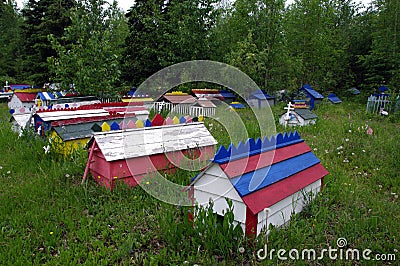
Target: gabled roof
176, 99
133, 143
266, 171
237, 105
205, 103
311, 91
333, 98
261, 95
227, 94
306, 114
80, 131
26, 96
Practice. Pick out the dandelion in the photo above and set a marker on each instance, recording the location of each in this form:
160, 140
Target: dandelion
51, 232
147, 183
241, 250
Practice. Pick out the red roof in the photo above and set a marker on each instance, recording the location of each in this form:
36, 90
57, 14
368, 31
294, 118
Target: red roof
26, 96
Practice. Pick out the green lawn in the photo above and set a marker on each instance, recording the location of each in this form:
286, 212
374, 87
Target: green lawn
48, 217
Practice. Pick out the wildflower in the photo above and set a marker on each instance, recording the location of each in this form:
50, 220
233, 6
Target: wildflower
345, 160
370, 131
46, 149
363, 150
355, 167
67, 175
51, 232
346, 139
395, 250
349, 130
359, 173
241, 250
377, 169
396, 196
353, 153
392, 193
1, 167
365, 174
147, 183
315, 149
380, 186
339, 148
326, 151
185, 262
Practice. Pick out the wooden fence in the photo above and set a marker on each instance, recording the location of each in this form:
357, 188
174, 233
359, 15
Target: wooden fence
376, 104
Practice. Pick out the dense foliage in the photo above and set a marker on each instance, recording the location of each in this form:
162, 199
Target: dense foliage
331, 44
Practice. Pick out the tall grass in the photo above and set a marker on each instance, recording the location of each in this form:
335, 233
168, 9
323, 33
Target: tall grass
48, 217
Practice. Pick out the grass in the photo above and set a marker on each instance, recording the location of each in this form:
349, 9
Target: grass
48, 217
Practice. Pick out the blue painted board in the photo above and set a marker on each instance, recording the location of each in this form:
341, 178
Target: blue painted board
266, 176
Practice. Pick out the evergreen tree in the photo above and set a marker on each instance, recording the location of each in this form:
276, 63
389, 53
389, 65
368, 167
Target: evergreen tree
10, 22
41, 19
89, 52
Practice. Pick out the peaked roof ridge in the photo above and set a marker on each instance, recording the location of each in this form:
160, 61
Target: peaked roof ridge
255, 146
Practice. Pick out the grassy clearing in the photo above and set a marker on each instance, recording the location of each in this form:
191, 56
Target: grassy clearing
48, 217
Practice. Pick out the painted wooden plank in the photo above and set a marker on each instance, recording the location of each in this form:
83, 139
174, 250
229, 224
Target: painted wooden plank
145, 141
270, 195
188, 119
169, 121
114, 126
158, 120
217, 185
131, 124
253, 181
182, 120
105, 127
314, 187
122, 125
291, 205
96, 128
251, 223
220, 206
252, 163
147, 123
176, 120
139, 124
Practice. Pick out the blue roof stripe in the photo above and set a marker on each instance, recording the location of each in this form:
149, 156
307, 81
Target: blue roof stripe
256, 180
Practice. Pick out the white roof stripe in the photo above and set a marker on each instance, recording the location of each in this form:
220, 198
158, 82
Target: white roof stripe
132, 143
